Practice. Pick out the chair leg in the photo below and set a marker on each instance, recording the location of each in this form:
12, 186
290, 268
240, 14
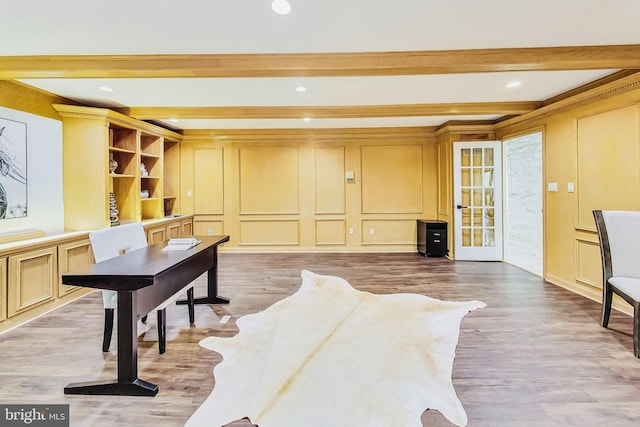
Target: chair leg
191, 304
636, 329
108, 329
162, 330
607, 299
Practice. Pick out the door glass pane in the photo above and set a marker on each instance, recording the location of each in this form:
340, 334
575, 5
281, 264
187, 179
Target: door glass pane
466, 237
488, 218
477, 177
477, 157
466, 177
487, 180
466, 217
466, 197
489, 238
477, 217
477, 237
465, 158
477, 197
488, 196
488, 156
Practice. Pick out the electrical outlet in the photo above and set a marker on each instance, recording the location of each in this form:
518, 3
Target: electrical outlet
188, 193
209, 232
372, 231
350, 230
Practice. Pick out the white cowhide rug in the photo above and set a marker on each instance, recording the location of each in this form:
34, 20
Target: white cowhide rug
332, 356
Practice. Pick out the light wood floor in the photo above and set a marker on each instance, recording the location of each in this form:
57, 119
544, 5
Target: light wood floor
536, 356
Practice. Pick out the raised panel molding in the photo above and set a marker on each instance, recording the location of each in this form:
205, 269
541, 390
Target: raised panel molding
270, 232
174, 230
156, 235
389, 232
208, 180
607, 138
330, 180
392, 179
588, 263
3, 289
330, 232
32, 279
72, 256
207, 227
269, 180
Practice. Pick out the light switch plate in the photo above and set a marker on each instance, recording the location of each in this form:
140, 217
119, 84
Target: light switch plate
552, 187
570, 187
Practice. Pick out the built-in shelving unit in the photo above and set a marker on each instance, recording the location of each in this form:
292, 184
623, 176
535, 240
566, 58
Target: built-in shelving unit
92, 137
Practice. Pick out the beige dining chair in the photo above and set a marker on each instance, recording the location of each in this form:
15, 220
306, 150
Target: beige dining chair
114, 241
619, 233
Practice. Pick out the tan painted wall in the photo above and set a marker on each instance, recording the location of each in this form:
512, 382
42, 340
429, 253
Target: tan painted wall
288, 191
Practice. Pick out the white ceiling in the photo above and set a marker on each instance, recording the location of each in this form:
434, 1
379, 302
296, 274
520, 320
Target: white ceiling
80, 27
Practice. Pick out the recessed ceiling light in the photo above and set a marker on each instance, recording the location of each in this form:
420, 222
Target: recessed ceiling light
105, 88
511, 85
301, 89
307, 119
281, 7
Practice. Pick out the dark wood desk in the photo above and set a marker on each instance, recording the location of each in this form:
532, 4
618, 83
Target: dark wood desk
144, 278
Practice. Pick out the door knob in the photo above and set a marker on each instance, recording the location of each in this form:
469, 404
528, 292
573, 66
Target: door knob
461, 207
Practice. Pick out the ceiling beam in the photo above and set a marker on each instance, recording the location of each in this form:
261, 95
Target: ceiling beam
322, 64
325, 112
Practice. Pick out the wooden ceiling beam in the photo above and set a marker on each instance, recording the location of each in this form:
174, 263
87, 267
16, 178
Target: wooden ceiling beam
322, 64
331, 112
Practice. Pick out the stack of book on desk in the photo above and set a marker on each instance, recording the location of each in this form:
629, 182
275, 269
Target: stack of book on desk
181, 244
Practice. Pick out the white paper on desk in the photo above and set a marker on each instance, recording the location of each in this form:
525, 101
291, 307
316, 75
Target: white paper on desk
181, 244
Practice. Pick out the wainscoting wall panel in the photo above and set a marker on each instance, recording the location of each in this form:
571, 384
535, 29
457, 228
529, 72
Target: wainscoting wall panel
330, 180
3, 289
273, 232
205, 225
608, 173
71, 257
589, 264
330, 232
388, 232
286, 189
392, 179
208, 180
269, 180
32, 279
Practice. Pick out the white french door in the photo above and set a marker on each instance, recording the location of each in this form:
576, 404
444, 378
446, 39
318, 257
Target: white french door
477, 198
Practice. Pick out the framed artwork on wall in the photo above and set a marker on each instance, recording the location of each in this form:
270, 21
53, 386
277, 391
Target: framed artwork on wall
13, 169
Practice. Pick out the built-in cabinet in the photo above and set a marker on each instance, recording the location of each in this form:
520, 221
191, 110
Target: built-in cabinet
107, 152
31, 269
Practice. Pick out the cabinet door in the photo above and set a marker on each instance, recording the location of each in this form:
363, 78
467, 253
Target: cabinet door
187, 228
156, 235
3, 289
72, 256
173, 230
32, 280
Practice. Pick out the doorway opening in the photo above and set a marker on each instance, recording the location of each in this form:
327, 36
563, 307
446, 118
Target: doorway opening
523, 191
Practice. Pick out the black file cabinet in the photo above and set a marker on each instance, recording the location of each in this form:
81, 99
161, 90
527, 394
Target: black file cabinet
432, 238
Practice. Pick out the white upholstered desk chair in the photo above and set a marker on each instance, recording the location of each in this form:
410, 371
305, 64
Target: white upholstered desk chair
111, 242
619, 233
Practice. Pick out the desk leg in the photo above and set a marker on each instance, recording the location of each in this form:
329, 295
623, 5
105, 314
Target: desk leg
128, 383
212, 285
